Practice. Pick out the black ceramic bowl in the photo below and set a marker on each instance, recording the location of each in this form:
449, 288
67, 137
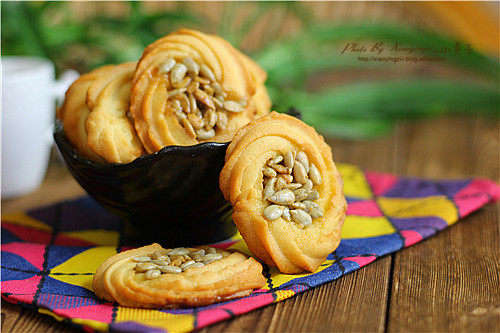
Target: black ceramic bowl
171, 196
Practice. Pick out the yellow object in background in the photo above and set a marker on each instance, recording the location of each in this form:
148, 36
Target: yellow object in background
474, 22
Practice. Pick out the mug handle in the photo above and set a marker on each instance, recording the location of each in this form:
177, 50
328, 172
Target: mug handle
62, 84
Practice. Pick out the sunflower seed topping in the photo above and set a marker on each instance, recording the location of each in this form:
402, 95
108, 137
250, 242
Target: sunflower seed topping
192, 66
170, 269
302, 158
273, 212
206, 72
290, 188
153, 273
314, 174
166, 66
178, 72
301, 217
194, 90
174, 261
204, 134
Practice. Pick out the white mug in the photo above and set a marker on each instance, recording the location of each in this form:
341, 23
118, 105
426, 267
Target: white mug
29, 93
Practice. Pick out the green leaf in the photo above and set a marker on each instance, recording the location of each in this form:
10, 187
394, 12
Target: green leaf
396, 99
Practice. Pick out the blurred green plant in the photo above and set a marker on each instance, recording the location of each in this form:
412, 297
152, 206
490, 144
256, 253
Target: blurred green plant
354, 110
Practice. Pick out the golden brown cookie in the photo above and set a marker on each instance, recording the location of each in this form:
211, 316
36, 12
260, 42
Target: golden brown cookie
75, 111
109, 126
154, 277
96, 117
286, 192
190, 87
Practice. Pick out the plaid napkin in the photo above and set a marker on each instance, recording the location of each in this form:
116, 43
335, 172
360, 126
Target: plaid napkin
49, 254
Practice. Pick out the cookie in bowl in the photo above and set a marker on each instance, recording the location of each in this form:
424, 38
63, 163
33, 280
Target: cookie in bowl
286, 192
154, 277
96, 118
191, 87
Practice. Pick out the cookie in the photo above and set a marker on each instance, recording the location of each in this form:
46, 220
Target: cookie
154, 277
96, 115
190, 87
109, 125
286, 192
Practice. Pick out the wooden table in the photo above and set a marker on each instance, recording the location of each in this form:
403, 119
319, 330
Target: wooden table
449, 282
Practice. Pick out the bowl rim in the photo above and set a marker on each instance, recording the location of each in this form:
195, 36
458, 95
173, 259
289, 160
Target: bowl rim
62, 143
61, 140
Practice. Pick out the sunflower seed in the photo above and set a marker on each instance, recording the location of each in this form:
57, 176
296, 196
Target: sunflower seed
184, 101
158, 256
273, 212
217, 88
313, 209
279, 168
243, 103
193, 86
283, 197
211, 256
210, 118
206, 262
299, 172
176, 262
300, 216
153, 273
170, 269
301, 194
313, 195
182, 83
178, 251
176, 104
204, 134
289, 159
314, 174
287, 178
206, 72
211, 250
293, 186
280, 183
217, 103
187, 263
298, 205
144, 266
166, 66
198, 254
192, 66
196, 121
175, 92
189, 128
204, 98
221, 120
308, 185
269, 189
208, 89
201, 80
141, 259
233, 106
180, 114
192, 103
177, 72
268, 172
196, 264
286, 214
275, 160
159, 262
302, 158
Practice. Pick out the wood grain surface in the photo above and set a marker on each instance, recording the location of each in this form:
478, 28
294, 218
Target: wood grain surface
449, 282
